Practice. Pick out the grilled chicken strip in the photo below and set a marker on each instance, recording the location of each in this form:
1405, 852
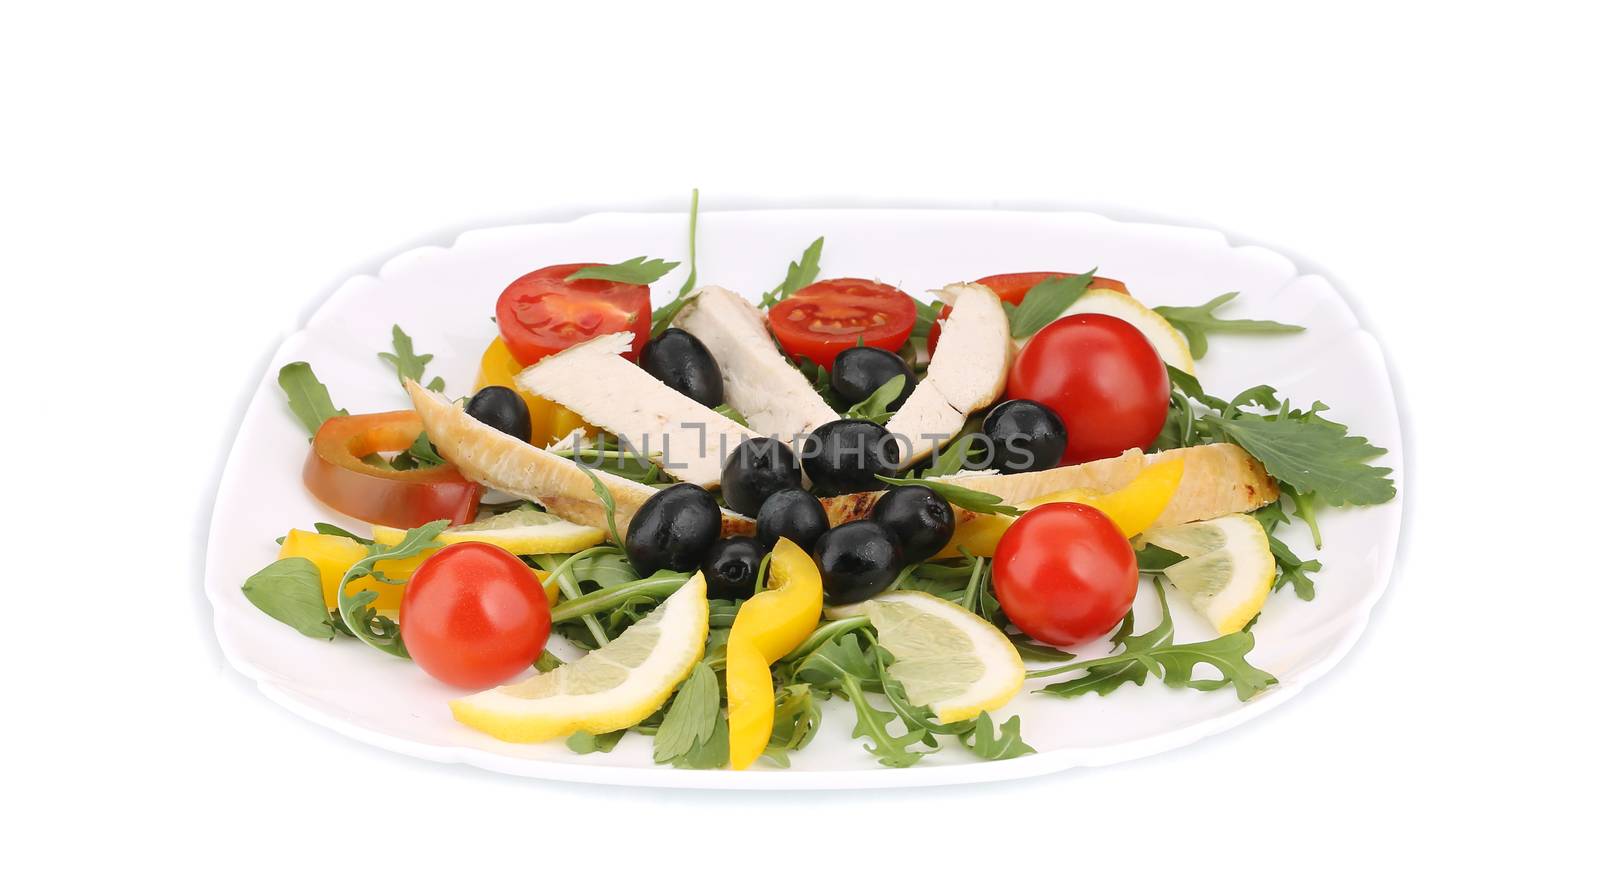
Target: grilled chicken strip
688, 440
771, 394
501, 461
1218, 479
967, 374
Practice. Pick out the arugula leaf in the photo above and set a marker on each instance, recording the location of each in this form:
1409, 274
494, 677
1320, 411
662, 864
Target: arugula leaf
1197, 322
1154, 558
1045, 302
796, 716
406, 362
875, 407
692, 717
732, 414
328, 529
308, 398
356, 611
1029, 649
987, 744
633, 271
1311, 454
1156, 652
583, 742
604, 495
694, 229
953, 459
958, 496
801, 273
290, 591
420, 454
1292, 570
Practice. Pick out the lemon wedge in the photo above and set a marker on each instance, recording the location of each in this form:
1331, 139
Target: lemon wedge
614, 687
947, 658
1170, 343
1228, 568
526, 530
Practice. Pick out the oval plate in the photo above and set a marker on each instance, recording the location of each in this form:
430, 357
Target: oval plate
444, 298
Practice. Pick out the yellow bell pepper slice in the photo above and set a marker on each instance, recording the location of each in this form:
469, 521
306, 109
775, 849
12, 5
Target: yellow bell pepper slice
766, 628
333, 555
551, 421
1132, 508
751, 704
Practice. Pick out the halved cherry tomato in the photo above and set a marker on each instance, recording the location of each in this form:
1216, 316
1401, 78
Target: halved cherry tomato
335, 473
825, 318
1064, 573
542, 313
474, 615
1013, 287
1102, 377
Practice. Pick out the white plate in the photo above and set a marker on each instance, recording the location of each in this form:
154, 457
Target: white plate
444, 297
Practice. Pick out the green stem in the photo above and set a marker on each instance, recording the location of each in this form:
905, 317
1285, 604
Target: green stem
824, 633
661, 584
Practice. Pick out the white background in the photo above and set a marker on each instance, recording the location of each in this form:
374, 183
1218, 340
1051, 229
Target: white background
181, 186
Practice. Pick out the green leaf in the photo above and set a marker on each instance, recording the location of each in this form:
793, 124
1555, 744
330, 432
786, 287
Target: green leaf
604, 495
875, 407
732, 414
1007, 744
713, 753
1156, 652
308, 398
953, 458
1311, 454
1292, 570
328, 529
584, 742
1046, 301
406, 362
1154, 558
290, 591
692, 717
1029, 649
355, 609
958, 496
633, 271
801, 273
1197, 322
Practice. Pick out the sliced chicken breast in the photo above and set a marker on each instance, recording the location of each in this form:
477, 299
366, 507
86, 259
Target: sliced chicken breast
503, 462
688, 440
771, 394
1218, 479
967, 374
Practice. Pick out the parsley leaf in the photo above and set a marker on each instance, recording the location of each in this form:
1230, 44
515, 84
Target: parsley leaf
407, 364
1156, 652
958, 496
692, 718
1045, 302
633, 271
1197, 322
875, 407
801, 273
308, 398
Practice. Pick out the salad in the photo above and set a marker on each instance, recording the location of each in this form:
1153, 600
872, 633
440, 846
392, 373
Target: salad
696, 519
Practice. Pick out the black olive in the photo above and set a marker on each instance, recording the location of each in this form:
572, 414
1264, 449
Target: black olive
757, 469
857, 560
846, 455
792, 514
859, 371
502, 409
1023, 436
673, 530
919, 517
731, 567
684, 364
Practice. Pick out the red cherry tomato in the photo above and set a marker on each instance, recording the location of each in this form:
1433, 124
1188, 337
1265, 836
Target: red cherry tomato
1013, 287
825, 318
1064, 573
1102, 377
473, 615
542, 313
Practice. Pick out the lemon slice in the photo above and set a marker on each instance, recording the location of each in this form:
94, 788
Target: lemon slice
1170, 343
614, 687
946, 658
523, 531
1228, 568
